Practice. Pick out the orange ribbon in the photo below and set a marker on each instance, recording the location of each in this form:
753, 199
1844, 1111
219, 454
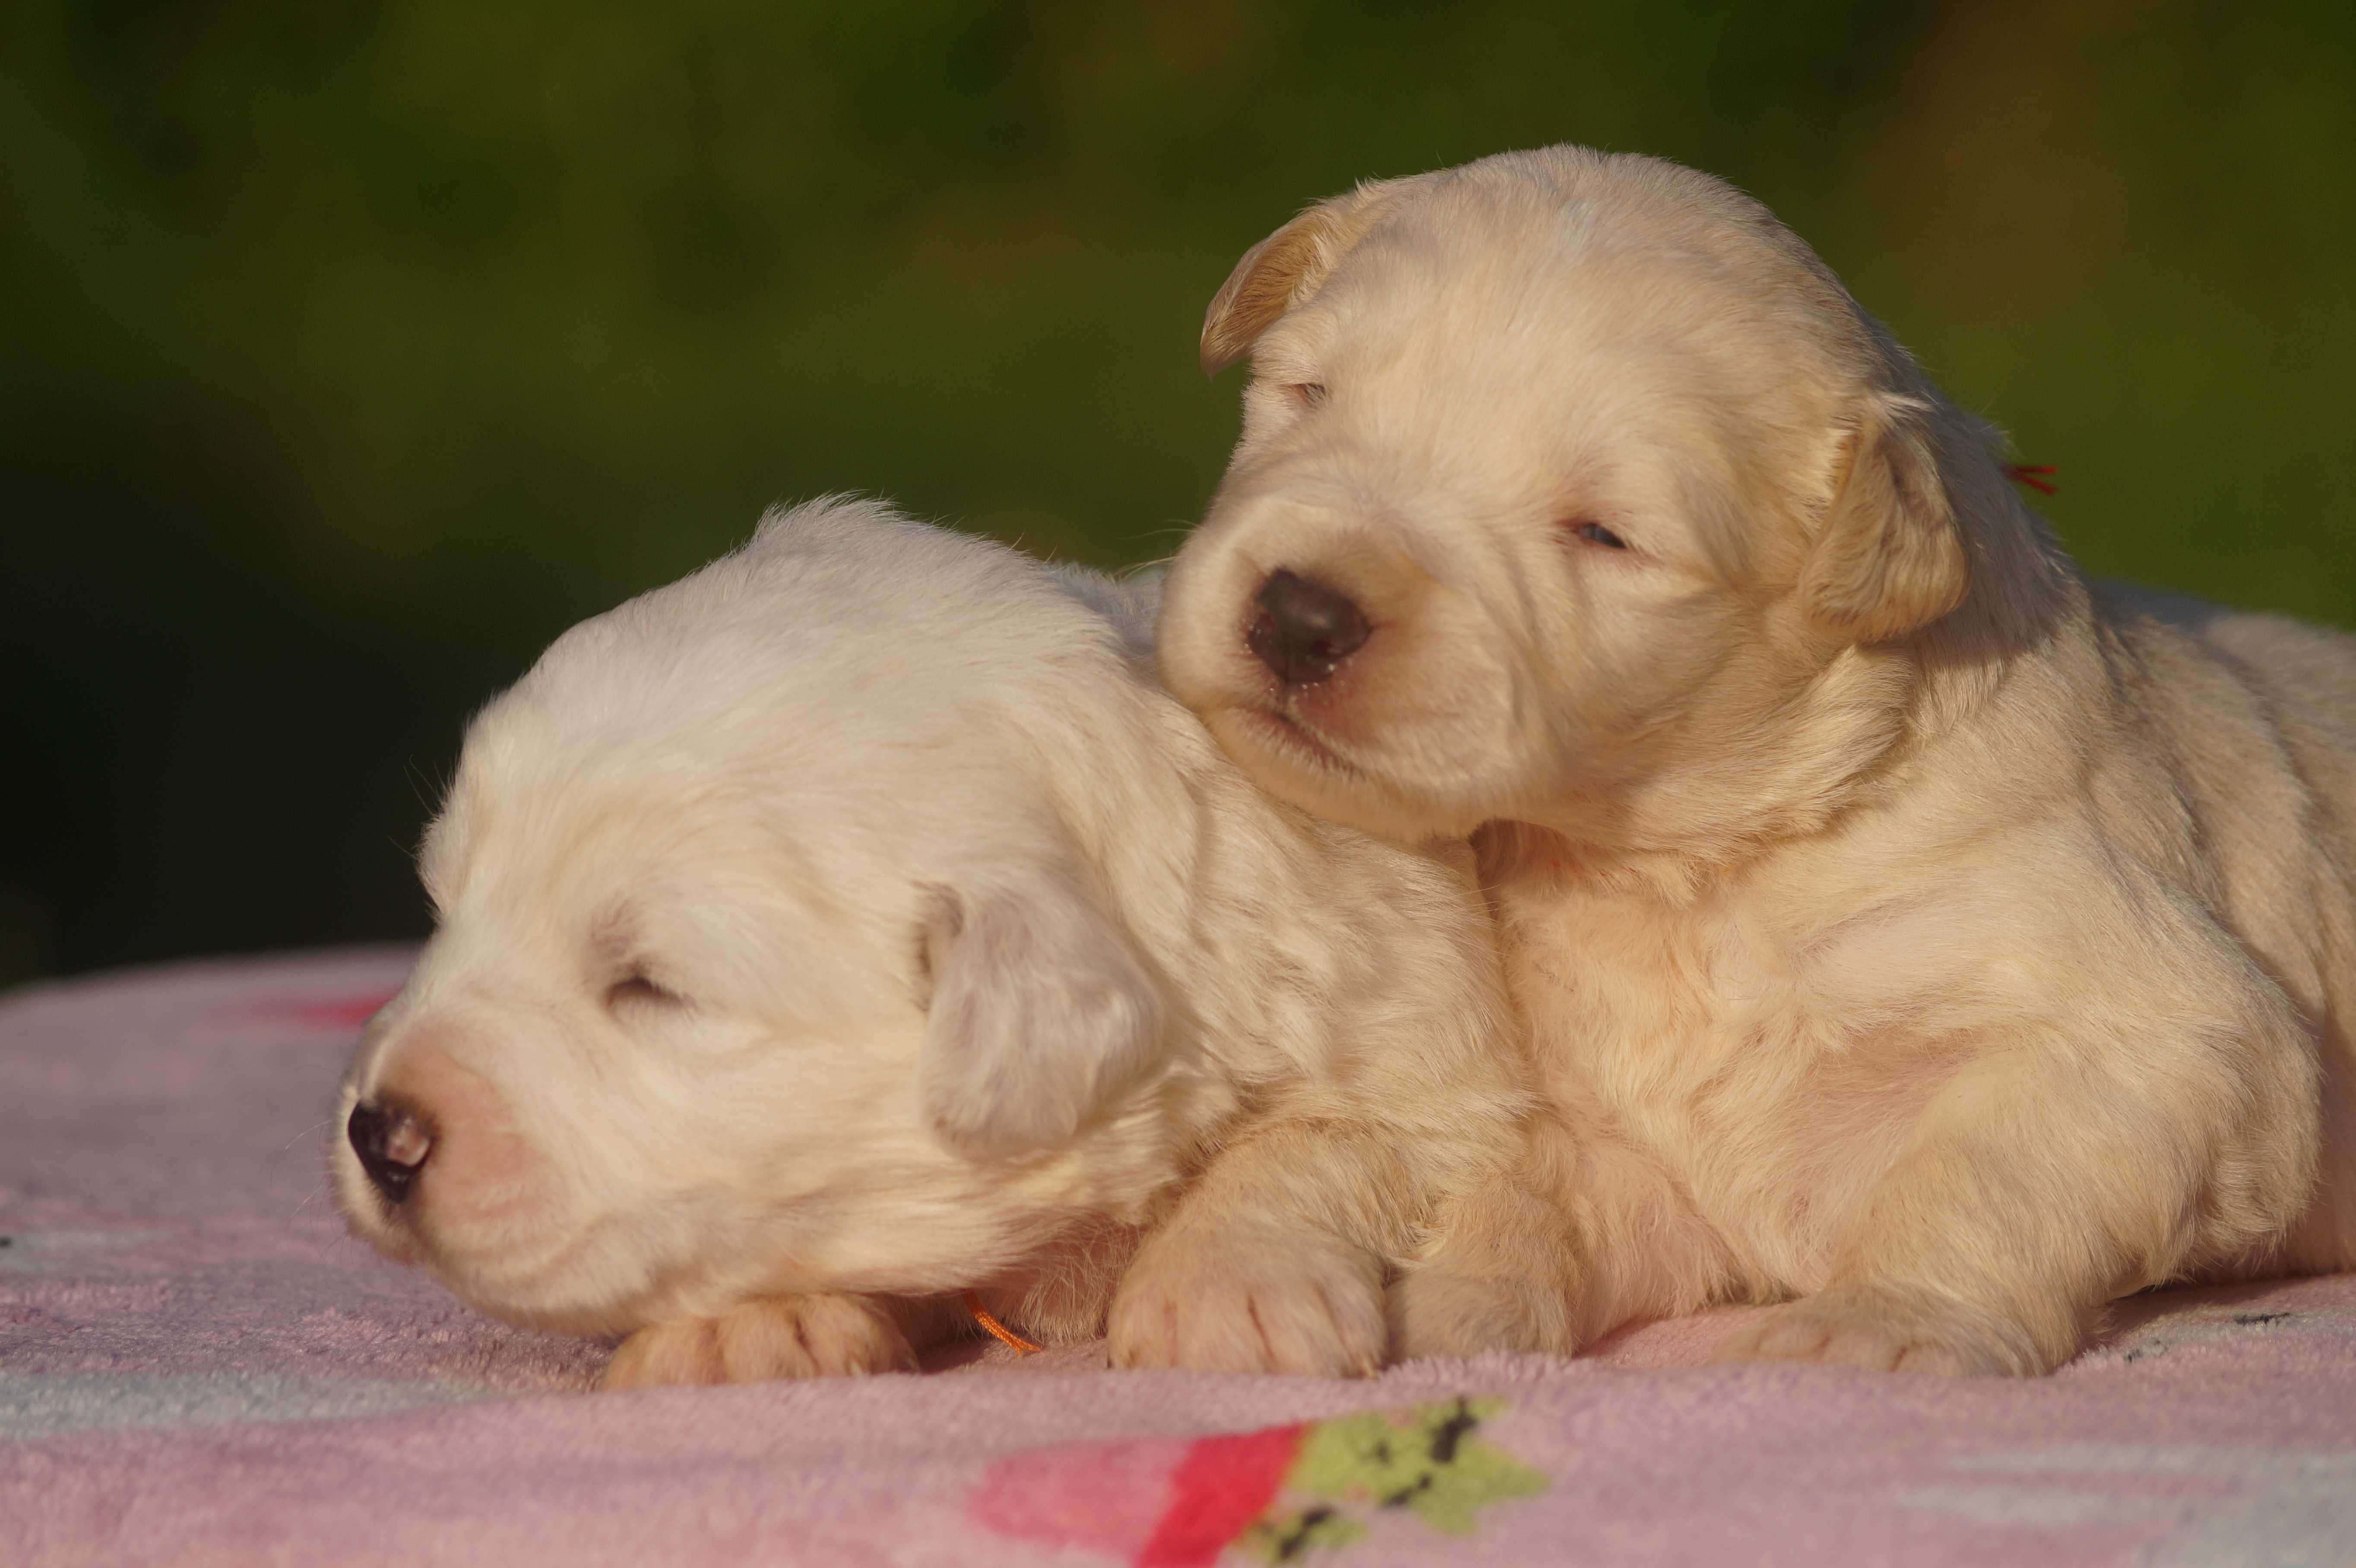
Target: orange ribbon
997, 1330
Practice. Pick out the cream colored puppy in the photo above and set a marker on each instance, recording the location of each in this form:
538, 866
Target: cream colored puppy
856, 923
1909, 927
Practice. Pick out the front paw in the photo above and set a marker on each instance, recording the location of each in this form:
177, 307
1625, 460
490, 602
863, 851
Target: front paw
776, 1336
1887, 1331
1446, 1307
1235, 1300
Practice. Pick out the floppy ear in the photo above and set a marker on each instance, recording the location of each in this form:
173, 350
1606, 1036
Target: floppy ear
1890, 559
1041, 1014
1285, 269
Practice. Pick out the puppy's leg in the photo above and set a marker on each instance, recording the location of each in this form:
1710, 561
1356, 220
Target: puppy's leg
1273, 1261
770, 1338
1499, 1269
1499, 1273
2041, 1184
1586, 1233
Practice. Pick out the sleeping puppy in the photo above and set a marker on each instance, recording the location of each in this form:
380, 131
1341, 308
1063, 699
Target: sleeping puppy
1916, 933
856, 923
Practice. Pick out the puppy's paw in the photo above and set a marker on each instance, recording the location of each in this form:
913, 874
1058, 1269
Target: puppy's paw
1446, 1306
1250, 1300
1886, 1332
775, 1337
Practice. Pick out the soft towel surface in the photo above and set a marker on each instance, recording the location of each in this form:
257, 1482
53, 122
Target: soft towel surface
197, 1367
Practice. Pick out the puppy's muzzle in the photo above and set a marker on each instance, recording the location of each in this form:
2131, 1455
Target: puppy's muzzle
392, 1144
1302, 629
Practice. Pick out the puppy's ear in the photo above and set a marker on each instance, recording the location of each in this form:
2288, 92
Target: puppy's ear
1285, 269
1890, 558
1041, 1013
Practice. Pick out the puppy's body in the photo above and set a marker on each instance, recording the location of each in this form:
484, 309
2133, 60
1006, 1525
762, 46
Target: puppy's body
856, 924
1907, 926
2015, 1049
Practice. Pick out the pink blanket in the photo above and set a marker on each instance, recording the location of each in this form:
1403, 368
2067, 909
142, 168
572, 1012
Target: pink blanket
198, 1368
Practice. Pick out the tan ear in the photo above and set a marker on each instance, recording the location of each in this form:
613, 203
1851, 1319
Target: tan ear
1041, 1015
1890, 559
1285, 269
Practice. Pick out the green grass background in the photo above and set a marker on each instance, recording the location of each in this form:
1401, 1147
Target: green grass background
350, 348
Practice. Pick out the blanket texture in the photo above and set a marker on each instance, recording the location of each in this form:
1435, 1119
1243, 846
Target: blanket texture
197, 1366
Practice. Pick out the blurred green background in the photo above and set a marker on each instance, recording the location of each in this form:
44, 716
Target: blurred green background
350, 348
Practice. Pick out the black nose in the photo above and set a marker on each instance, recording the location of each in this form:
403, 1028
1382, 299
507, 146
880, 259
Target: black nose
392, 1146
1303, 630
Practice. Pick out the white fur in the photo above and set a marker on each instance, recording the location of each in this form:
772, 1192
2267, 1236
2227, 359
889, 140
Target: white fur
855, 923
1908, 927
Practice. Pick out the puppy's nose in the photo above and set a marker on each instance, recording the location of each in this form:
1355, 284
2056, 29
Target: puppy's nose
1303, 630
392, 1144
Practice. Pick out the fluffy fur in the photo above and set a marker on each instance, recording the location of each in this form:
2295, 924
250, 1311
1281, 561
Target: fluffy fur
856, 923
1913, 931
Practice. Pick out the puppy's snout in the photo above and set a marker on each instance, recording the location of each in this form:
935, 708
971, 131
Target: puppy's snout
392, 1143
1302, 629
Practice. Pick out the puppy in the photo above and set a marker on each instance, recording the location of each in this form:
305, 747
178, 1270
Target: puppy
856, 923
1914, 933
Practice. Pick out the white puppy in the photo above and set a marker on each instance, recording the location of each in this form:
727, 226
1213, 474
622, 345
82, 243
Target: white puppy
1908, 926
856, 924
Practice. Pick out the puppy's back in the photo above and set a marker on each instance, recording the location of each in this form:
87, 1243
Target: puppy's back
2254, 719
2215, 671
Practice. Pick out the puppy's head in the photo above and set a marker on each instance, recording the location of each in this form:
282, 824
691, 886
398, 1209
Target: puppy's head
762, 962
1562, 476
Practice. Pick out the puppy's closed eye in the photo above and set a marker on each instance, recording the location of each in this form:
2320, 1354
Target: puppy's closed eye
1595, 533
635, 989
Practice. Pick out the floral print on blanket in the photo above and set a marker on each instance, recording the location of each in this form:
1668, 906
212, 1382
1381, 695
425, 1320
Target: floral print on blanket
1428, 1460
1282, 1494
